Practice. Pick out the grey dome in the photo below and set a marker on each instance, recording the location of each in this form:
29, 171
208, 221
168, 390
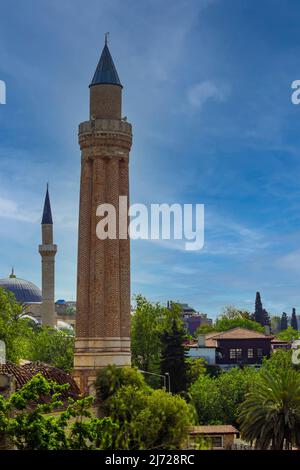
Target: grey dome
24, 291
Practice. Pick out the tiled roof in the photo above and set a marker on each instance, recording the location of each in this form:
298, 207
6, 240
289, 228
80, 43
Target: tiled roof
211, 339
213, 429
24, 373
237, 333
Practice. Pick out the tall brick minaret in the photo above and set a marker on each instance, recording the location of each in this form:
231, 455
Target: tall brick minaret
103, 279
48, 251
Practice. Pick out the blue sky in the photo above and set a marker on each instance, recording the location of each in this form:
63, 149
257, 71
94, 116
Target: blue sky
207, 87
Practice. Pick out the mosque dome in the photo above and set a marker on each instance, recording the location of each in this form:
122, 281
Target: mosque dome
24, 291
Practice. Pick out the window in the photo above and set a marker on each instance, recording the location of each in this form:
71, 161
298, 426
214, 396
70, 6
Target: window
259, 353
217, 442
235, 353
250, 353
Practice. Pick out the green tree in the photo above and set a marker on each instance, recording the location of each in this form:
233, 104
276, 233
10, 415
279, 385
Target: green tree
289, 334
216, 399
147, 419
225, 324
146, 326
52, 346
111, 378
294, 321
258, 313
266, 318
275, 323
206, 398
15, 330
173, 357
279, 360
195, 368
231, 312
270, 414
38, 428
204, 329
284, 322
233, 386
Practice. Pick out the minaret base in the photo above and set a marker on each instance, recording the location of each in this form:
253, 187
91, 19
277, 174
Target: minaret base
92, 354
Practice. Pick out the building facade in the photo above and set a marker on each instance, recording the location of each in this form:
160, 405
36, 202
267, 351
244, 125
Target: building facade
238, 346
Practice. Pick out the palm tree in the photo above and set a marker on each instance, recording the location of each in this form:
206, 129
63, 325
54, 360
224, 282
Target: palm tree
270, 415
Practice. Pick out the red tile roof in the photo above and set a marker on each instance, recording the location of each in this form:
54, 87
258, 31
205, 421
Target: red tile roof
235, 333
238, 333
213, 429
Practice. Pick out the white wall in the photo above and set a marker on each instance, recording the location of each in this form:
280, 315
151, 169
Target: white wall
209, 354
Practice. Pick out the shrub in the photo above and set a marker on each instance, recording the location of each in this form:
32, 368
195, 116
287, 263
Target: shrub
111, 378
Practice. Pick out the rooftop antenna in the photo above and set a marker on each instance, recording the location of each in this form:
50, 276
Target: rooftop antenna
106, 38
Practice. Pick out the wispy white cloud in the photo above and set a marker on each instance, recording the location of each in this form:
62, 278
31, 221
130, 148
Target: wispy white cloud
10, 209
199, 93
290, 261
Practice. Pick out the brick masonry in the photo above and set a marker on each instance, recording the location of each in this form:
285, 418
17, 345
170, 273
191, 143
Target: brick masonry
103, 272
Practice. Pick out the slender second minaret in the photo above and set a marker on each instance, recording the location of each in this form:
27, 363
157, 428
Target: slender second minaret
103, 276
48, 251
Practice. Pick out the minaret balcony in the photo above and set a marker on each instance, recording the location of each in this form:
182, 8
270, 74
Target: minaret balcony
47, 250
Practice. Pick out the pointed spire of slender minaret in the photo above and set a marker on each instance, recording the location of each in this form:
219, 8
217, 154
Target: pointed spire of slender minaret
47, 214
12, 275
106, 72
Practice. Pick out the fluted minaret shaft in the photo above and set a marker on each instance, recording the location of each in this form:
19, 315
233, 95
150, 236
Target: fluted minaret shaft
103, 275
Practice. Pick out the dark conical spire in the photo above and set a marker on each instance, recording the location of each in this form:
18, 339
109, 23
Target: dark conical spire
106, 72
12, 275
47, 214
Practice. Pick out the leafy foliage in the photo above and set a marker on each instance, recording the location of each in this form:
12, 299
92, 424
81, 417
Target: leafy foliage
275, 324
146, 326
232, 312
294, 321
258, 314
279, 360
289, 334
152, 419
38, 428
25, 340
111, 378
149, 322
284, 322
270, 414
225, 324
173, 357
52, 346
195, 368
216, 398
15, 330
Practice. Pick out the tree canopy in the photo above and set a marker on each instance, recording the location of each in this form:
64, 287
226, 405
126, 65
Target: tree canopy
270, 414
15, 329
37, 428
